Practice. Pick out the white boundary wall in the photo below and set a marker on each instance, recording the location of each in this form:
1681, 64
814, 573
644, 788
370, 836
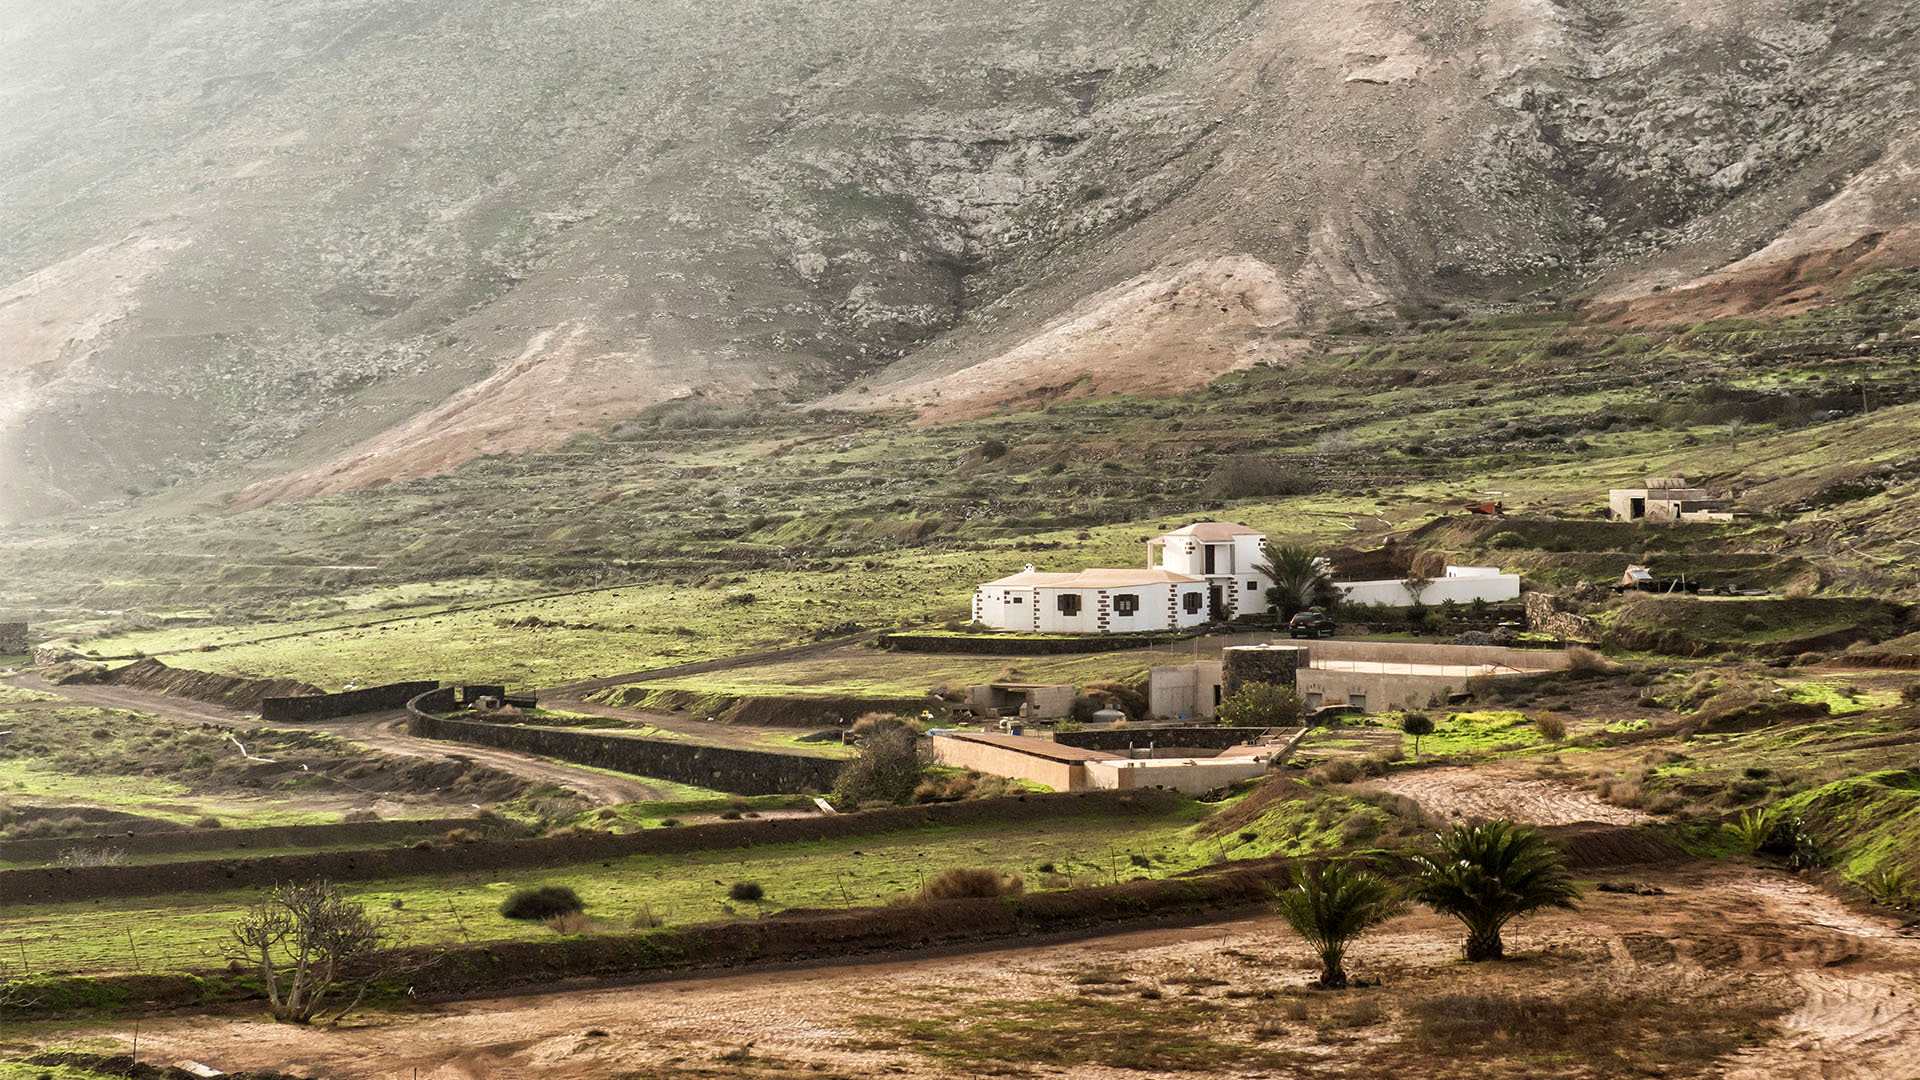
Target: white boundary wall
1493, 587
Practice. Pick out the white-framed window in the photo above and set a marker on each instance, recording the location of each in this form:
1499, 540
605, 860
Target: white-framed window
1126, 604
1069, 603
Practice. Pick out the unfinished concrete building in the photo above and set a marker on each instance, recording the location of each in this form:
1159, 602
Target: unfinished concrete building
1030, 701
1369, 676
1071, 768
1667, 499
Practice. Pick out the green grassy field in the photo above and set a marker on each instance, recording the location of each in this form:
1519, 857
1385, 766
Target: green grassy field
708, 533
189, 931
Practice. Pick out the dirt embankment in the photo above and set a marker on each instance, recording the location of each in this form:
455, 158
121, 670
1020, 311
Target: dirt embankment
235, 693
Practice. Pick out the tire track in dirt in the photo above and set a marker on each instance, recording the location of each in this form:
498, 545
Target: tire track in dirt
1860, 1015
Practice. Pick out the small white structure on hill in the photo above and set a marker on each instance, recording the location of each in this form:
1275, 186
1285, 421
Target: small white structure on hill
1207, 571
1462, 585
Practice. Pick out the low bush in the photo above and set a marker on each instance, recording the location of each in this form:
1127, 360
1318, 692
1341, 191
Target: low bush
208, 822
961, 882
1911, 695
1342, 770
746, 891
1551, 727
573, 923
541, 902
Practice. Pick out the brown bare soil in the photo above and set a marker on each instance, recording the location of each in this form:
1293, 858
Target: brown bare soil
1730, 971
1496, 791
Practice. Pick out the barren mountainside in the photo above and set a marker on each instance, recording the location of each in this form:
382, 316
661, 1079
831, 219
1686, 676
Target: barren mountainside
255, 250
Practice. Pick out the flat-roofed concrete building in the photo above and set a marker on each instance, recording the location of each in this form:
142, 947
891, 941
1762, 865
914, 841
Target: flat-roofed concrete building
1071, 768
1667, 499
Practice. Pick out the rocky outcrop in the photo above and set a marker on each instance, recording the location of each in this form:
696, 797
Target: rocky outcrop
1544, 616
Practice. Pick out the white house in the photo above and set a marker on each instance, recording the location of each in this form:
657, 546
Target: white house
1206, 572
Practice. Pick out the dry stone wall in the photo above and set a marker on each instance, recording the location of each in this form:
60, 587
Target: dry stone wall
348, 703
723, 768
62, 884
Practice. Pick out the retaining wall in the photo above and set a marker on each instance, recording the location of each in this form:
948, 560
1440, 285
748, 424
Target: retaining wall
348, 703
1003, 645
1406, 652
63, 884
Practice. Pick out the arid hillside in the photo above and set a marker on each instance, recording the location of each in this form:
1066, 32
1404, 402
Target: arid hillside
257, 250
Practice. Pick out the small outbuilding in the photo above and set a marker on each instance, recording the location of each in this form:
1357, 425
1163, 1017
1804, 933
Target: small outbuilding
1031, 701
1667, 499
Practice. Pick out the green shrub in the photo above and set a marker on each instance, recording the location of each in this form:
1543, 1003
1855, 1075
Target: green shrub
1261, 704
541, 902
960, 881
1418, 725
746, 891
1750, 830
1551, 727
1911, 695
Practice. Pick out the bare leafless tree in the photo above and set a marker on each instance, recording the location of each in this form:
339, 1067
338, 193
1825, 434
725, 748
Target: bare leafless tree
302, 938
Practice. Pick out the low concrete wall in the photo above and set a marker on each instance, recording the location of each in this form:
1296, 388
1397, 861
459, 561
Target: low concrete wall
1493, 588
1194, 778
348, 703
723, 768
1376, 692
1408, 652
987, 644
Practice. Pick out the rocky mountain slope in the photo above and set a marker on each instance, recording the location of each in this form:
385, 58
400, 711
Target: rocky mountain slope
255, 250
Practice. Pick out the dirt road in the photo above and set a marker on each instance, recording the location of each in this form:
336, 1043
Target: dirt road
1722, 937
385, 732
1492, 791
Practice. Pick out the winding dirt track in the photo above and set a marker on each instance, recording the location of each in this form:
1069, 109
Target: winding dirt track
385, 732
1851, 982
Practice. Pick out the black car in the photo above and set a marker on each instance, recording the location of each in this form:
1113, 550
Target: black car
1310, 624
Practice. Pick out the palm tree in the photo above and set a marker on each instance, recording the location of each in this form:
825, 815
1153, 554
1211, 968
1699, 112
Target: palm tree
1489, 874
1331, 906
1299, 576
